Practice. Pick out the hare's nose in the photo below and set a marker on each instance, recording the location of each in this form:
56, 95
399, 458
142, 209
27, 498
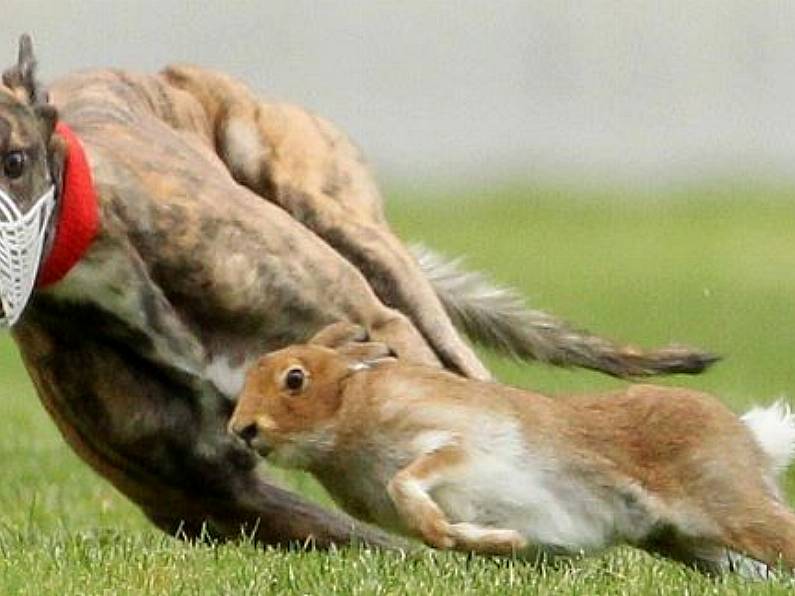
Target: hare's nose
248, 433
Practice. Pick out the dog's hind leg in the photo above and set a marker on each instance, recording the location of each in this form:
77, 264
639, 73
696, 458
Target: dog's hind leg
310, 169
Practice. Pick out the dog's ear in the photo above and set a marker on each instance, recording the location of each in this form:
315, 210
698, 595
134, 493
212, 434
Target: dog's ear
48, 118
56, 155
339, 334
21, 78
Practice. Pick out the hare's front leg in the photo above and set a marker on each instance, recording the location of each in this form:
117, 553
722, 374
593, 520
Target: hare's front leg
409, 488
409, 491
487, 541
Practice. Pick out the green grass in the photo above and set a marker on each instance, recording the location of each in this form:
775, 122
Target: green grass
713, 269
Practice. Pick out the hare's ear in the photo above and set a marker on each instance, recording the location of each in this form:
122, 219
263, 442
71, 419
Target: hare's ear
366, 352
21, 78
339, 334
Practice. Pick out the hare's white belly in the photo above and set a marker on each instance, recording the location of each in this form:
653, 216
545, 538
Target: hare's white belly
505, 485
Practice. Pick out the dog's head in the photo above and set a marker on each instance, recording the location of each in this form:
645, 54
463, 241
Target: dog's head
292, 397
31, 160
28, 145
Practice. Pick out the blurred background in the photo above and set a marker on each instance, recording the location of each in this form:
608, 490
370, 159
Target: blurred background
636, 94
625, 165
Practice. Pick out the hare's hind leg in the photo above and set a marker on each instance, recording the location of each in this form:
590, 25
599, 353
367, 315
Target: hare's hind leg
765, 532
706, 556
755, 534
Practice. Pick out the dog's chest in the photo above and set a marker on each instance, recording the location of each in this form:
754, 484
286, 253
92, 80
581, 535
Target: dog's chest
104, 279
114, 282
110, 280
227, 376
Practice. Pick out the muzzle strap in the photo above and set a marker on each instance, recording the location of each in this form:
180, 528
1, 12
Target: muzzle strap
21, 244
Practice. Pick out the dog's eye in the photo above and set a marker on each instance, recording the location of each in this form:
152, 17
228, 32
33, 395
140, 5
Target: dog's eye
14, 164
294, 379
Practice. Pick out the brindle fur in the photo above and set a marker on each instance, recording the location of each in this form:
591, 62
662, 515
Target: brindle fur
230, 226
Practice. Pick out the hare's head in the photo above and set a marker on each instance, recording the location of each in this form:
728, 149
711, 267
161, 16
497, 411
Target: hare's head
291, 397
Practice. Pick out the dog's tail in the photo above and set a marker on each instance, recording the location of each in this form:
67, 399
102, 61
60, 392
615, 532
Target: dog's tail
773, 429
497, 318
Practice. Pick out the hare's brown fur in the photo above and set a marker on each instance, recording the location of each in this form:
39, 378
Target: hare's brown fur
480, 466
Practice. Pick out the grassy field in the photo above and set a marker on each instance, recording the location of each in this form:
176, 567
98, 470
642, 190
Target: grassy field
713, 269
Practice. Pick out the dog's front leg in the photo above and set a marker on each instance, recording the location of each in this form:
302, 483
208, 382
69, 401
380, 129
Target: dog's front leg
113, 277
160, 444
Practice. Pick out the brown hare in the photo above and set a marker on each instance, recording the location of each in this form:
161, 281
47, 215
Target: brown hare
479, 466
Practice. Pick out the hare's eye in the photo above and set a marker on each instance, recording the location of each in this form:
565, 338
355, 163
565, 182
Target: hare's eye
294, 379
14, 164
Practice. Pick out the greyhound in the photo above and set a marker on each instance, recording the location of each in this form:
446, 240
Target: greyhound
158, 232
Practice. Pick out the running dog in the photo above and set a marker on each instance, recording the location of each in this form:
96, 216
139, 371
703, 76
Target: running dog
157, 232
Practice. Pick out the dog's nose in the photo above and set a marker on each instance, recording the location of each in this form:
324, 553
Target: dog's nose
247, 433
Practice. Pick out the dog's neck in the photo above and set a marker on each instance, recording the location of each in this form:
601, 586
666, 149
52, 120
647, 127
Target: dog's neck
76, 220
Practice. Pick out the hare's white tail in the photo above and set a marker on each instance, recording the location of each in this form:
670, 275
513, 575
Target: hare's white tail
773, 428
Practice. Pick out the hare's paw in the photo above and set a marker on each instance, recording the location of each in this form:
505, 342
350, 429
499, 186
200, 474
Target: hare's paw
492, 541
436, 532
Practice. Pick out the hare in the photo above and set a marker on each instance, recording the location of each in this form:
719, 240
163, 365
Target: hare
478, 466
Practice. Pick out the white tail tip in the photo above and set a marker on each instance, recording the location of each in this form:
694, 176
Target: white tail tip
773, 428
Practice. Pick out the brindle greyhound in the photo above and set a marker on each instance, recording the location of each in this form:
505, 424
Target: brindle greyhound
218, 226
